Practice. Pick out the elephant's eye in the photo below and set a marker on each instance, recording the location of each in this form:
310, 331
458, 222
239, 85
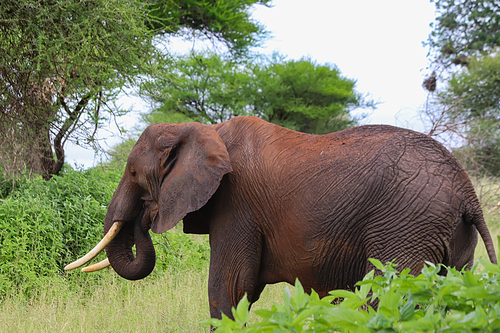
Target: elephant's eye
133, 173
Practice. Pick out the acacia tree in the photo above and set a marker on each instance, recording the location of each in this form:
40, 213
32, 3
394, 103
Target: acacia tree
63, 64
210, 88
466, 106
463, 29
226, 21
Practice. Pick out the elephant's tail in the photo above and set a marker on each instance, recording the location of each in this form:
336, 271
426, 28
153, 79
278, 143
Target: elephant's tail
478, 220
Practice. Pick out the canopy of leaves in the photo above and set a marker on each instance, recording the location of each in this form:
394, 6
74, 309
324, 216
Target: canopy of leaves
61, 64
225, 20
478, 87
472, 98
305, 96
209, 88
464, 28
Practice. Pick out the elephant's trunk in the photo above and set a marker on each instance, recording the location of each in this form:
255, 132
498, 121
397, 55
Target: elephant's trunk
120, 252
127, 223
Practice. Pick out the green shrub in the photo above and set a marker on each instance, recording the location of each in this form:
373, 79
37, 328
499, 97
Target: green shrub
44, 225
176, 252
456, 302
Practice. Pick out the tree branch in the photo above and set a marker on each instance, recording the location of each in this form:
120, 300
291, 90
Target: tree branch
73, 117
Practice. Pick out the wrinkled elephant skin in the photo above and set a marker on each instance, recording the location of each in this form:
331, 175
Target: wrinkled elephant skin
281, 205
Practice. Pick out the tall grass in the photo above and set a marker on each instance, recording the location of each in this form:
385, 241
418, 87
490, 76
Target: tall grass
172, 303
168, 303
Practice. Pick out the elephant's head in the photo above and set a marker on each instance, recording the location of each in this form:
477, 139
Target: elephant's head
172, 170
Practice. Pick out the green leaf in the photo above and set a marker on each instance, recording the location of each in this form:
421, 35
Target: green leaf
344, 294
304, 314
408, 310
377, 264
469, 279
241, 313
364, 289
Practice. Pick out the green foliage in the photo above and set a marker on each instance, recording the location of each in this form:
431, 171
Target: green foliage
471, 100
83, 44
202, 87
477, 87
209, 88
306, 96
62, 65
177, 252
225, 20
453, 302
46, 225
464, 29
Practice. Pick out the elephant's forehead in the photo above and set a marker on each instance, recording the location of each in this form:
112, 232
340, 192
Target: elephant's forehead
155, 130
141, 153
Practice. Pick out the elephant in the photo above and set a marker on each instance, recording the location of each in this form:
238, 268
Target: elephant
279, 205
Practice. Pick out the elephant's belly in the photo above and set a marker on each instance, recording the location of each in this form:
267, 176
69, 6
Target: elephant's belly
274, 271
287, 268
322, 268
284, 263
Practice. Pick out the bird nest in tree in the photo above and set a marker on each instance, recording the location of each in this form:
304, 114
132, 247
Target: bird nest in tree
430, 83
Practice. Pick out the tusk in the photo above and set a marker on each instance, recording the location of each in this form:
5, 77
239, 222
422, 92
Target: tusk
96, 267
113, 231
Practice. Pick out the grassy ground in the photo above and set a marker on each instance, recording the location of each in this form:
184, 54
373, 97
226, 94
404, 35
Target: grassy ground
175, 303
493, 220
170, 303
488, 191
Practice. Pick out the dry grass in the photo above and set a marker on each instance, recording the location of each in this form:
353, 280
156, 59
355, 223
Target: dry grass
160, 305
176, 303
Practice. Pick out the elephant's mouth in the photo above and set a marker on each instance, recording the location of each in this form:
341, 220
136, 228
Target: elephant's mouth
133, 231
151, 209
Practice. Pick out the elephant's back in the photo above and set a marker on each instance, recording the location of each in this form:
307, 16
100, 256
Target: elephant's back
370, 158
387, 135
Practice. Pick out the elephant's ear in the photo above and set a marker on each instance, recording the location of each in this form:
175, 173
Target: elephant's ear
192, 164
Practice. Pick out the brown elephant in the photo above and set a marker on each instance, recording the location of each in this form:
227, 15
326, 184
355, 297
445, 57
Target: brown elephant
280, 205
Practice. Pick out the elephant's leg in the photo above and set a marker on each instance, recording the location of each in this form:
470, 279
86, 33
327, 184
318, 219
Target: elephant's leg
462, 246
234, 269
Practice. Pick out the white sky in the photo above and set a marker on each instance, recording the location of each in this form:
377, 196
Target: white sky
377, 43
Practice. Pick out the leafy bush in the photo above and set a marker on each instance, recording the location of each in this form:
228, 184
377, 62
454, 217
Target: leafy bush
176, 252
44, 225
456, 302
